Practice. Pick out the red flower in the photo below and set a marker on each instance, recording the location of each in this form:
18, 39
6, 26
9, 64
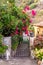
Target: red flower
26, 27
27, 8
16, 32
31, 21
23, 28
26, 32
33, 12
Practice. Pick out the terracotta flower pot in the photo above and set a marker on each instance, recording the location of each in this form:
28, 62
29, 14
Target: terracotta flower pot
39, 62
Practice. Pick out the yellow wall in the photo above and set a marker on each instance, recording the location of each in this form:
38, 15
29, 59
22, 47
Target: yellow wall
40, 29
35, 28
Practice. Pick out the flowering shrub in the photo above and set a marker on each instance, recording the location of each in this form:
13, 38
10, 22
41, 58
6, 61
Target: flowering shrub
14, 21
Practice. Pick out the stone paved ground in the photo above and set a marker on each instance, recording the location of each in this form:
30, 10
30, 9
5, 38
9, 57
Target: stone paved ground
18, 61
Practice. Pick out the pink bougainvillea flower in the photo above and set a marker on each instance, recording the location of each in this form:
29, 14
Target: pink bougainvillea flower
33, 12
26, 32
31, 21
26, 27
27, 8
16, 32
23, 28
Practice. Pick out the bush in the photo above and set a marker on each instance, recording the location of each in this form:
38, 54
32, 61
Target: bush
11, 18
2, 46
15, 42
39, 54
1, 39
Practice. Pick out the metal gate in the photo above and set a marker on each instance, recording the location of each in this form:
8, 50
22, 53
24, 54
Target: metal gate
23, 50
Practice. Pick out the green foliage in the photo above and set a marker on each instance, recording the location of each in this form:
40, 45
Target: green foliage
15, 42
10, 16
1, 39
39, 54
1, 27
11, 1
20, 25
3, 49
2, 46
16, 39
31, 28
